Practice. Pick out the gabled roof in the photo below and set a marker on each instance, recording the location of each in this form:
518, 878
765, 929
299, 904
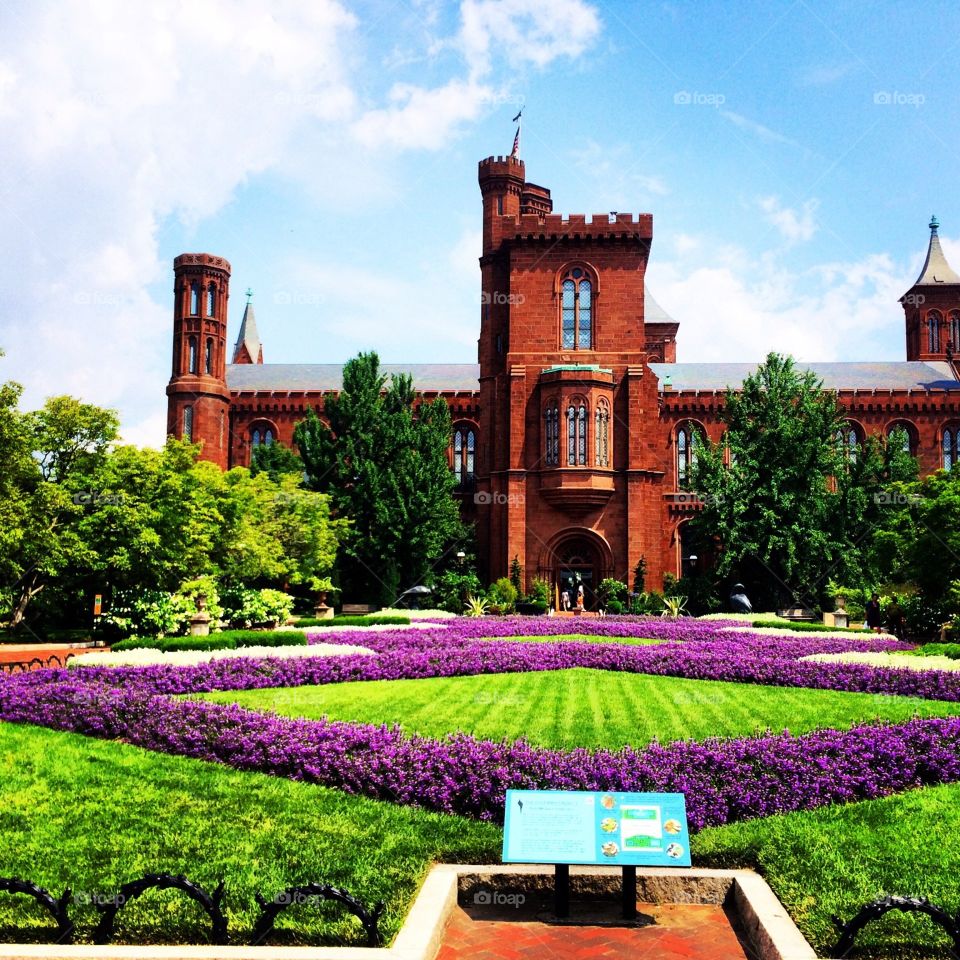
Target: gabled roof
324, 377
935, 267
249, 337
652, 311
889, 375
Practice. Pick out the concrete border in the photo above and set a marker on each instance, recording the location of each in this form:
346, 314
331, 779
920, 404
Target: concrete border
772, 934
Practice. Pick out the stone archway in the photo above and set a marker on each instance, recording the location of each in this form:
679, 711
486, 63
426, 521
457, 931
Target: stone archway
574, 558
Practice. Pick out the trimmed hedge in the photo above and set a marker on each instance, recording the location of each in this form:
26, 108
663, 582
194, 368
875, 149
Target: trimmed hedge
951, 650
371, 620
227, 640
807, 626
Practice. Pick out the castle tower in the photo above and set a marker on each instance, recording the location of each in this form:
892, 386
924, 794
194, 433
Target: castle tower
248, 348
198, 400
932, 307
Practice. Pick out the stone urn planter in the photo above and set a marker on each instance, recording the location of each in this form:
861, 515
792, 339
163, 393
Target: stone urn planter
200, 621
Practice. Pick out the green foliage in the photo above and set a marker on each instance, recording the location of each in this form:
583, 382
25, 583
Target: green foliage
226, 640
640, 576
791, 508
275, 460
475, 606
612, 591
674, 607
516, 574
951, 650
383, 462
452, 587
805, 626
503, 595
541, 591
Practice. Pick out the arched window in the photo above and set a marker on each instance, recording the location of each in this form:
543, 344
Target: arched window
934, 319
908, 435
188, 424
192, 368
951, 437
601, 434
577, 434
576, 310
953, 330
689, 438
208, 356
211, 300
464, 455
260, 435
194, 299
551, 433
848, 442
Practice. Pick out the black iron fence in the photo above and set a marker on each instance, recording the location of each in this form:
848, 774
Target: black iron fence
109, 906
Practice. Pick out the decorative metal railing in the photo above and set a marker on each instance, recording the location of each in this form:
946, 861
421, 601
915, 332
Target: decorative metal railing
211, 903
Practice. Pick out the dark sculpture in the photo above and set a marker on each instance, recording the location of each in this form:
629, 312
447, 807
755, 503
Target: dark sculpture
56, 908
739, 601
876, 909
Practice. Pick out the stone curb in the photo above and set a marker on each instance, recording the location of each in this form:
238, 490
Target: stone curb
773, 935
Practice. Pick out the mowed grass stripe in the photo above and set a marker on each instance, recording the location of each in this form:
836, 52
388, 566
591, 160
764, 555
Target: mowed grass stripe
91, 815
585, 708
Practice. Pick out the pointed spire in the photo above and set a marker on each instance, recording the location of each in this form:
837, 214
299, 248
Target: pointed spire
248, 348
935, 268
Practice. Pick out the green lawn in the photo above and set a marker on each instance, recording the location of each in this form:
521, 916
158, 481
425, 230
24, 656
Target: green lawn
583, 708
92, 815
834, 860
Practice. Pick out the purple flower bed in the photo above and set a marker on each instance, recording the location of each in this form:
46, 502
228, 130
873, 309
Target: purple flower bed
724, 781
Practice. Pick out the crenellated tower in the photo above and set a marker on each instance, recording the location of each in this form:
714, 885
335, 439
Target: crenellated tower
932, 306
198, 400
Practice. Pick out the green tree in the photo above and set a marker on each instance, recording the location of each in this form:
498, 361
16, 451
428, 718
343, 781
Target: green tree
383, 461
773, 513
54, 452
276, 460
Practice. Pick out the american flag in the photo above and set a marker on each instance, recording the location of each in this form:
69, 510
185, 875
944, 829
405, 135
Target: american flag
515, 152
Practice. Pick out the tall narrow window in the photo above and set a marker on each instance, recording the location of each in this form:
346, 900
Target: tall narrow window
188, 424
848, 441
268, 436
950, 439
256, 439
551, 432
464, 455
582, 436
211, 300
194, 299
689, 438
571, 436
576, 311
602, 434
208, 356
193, 355
907, 434
577, 435
954, 330
933, 331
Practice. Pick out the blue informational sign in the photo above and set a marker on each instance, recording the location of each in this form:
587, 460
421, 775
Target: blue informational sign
623, 829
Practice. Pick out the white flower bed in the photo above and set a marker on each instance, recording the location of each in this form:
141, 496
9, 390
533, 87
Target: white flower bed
897, 661
372, 628
187, 658
415, 614
832, 634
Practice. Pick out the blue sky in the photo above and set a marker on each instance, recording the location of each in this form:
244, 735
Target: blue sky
791, 155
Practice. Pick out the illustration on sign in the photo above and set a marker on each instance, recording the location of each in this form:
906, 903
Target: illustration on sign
625, 829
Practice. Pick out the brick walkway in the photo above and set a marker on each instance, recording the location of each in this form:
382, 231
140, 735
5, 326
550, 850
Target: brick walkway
682, 932
18, 657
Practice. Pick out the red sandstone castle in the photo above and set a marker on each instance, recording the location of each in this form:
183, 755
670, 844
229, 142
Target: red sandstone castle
575, 432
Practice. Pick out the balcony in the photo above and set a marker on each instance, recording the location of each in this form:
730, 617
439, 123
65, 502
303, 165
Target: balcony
576, 489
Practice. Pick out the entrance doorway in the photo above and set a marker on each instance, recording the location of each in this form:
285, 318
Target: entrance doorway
576, 568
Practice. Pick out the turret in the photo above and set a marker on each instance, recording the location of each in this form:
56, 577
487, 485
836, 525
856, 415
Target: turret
198, 400
932, 306
501, 184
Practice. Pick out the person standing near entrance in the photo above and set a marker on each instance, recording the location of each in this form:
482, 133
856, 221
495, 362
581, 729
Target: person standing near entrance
580, 597
872, 610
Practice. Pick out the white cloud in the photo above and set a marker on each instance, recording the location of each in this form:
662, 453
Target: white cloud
793, 225
757, 129
734, 307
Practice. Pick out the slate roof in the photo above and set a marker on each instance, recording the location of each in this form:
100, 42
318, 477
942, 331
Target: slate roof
889, 375
297, 377
935, 267
248, 335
